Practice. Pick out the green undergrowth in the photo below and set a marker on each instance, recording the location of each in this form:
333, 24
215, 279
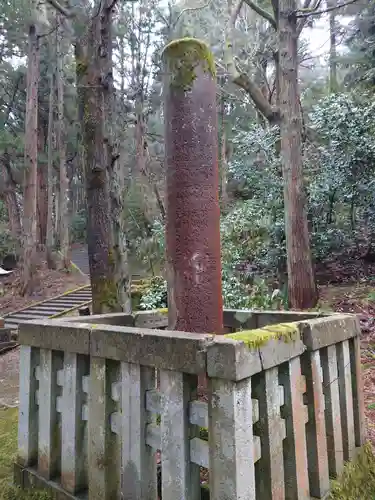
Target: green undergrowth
8, 450
357, 482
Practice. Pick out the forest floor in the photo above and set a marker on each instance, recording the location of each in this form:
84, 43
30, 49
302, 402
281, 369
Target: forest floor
48, 284
348, 285
360, 300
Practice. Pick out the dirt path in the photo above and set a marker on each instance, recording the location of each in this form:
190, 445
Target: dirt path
48, 283
360, 300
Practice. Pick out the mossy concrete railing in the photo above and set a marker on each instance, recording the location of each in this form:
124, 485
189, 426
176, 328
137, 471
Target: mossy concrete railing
283, 412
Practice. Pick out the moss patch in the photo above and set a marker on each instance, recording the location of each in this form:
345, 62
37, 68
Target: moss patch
287, 332
106, 290
357, 482
183, 56
8, 450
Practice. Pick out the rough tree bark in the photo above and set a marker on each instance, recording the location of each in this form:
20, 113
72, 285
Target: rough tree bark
286, 113
223, 159
115, 172
302, 291
42, 189
60, 136
93, 47
31, 161
10, 197
102, 268
50, 239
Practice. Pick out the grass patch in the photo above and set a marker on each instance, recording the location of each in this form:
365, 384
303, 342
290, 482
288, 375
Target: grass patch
8, 441
8, 450
357, 482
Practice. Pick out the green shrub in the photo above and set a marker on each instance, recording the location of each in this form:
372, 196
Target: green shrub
156, 296
236, 295
8, 244
79, 227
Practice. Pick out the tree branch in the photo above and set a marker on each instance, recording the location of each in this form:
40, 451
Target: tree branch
312, 9
111, 5
242, 79
189, 9
60, 8
324, 11
302, 22
262, 12
275, 8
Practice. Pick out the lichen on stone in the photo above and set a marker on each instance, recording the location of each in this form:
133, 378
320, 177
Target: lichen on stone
286, 332
182, 57
163, 310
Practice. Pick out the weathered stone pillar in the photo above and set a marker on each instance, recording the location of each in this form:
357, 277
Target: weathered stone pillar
193, 214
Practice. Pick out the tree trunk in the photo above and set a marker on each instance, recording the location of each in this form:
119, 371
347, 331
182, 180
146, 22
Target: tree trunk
56, 202
81, 59
140, 174
224, 200
115, 172
42, 200
302, 290
10, 199
60, 136
50, 240
31, 166
333, 86
91, 80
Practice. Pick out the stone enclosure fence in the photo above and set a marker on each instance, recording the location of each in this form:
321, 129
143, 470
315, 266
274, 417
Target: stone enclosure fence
283, 409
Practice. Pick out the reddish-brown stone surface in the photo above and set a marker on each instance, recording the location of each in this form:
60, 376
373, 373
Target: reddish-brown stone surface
193, 214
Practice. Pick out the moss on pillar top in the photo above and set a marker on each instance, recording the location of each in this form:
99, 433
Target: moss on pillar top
286, 332
183, 56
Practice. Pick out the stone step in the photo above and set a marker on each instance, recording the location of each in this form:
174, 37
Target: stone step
24, 317
84, 293
9, 319
74, 294
66, 303
81, 297
45, 313
58, 305
45, 309
11, 326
